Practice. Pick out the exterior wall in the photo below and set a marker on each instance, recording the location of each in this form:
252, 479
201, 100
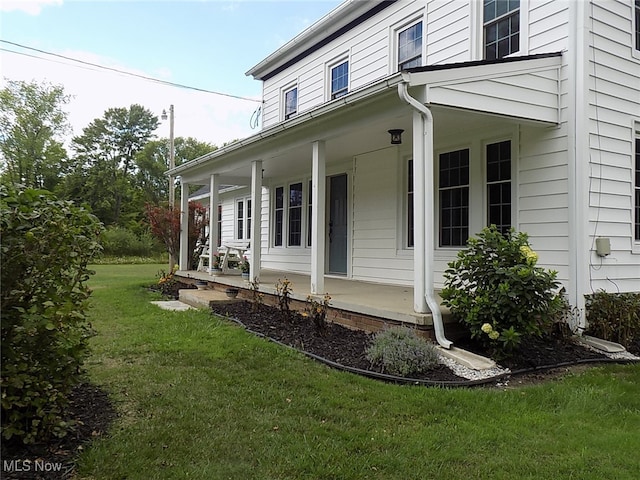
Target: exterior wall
613, 74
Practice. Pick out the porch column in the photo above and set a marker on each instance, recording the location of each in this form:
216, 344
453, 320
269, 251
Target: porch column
184, 227
256, 218
318, 212
213, 218
419, 214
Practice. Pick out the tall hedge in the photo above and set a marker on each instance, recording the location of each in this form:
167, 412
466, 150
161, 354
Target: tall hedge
46, 246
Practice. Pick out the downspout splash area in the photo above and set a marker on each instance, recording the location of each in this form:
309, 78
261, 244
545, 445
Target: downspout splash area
427, 281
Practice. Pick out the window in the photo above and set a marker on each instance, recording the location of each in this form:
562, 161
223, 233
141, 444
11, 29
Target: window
453, 184
295, 215
243, 219
309, 212
279, 217
501, 28
410, 222
410, 47
290, 103
637, 189
499, 185
340, 80
219, 225
637, 16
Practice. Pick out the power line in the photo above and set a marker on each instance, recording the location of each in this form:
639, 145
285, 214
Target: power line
122, 72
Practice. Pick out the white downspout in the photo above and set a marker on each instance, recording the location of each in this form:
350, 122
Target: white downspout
427, 159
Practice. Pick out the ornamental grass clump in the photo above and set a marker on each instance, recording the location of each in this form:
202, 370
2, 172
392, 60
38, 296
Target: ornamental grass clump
495, 288
399, 351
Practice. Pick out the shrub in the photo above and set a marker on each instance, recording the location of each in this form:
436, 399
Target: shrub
495, 288
46, 246
122, 242
317, 311
284, 290
614, 316
399, 351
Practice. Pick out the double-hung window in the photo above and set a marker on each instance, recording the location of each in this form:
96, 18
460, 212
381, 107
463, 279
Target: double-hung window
243, 219
501, 28
637, 188
288, 215
499, 185
409, 199
410, 47
636, 11
340, 80
453, 185
290, 103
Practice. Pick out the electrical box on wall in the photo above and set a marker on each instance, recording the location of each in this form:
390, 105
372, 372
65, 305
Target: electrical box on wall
603, 246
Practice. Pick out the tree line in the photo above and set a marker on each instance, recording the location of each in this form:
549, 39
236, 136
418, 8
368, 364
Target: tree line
114, 167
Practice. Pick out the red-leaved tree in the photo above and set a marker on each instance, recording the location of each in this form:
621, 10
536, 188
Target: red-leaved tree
165, 226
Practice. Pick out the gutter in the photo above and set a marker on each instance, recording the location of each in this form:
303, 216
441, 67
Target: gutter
302, 118
426, 278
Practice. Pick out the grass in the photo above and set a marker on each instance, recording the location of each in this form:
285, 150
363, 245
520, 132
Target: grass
200, 398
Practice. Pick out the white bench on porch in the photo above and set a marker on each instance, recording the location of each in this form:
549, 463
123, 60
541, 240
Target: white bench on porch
227, 250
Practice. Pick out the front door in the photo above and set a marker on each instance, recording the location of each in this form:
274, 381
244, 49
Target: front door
338, 233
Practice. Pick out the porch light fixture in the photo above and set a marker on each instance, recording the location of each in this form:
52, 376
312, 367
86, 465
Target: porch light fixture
396, 136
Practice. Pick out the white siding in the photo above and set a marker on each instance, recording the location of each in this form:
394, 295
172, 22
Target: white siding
614, 106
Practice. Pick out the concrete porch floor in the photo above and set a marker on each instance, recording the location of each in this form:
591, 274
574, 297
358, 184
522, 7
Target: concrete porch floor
383, 301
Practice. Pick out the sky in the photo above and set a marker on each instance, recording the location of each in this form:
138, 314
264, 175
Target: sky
205, 44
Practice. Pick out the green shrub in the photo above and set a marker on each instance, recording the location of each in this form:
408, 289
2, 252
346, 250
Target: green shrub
46, 246
614, 316
399, 351
495, 288
122, 242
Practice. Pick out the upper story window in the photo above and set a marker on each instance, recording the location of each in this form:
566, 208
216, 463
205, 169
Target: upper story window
340, 80
410, 47
501, 28
290, 103
637, 17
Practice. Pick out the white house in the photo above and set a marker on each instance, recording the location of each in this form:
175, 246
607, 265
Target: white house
519, 113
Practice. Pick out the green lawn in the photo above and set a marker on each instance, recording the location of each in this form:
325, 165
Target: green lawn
200, 398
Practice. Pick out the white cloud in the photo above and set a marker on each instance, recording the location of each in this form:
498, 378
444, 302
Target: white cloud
32, 7
206, 117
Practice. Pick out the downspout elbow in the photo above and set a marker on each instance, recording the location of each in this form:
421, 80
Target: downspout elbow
429, 293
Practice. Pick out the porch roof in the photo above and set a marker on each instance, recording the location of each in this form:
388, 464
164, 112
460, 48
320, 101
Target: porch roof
518, 89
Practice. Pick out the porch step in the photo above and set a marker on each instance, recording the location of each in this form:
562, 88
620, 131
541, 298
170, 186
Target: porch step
203, 298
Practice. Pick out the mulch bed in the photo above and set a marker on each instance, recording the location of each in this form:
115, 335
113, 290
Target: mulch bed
348, 347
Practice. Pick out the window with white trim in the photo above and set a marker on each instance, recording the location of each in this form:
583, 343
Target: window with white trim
637, 188
501, 20
339, 80
309, 213
290, 102
243, 219
290, 214
219, 225
498, 162
453, 190
410, 47
636, 11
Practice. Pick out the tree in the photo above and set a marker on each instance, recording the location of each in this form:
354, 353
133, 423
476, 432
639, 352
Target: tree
153, 161
32, 123
104, 161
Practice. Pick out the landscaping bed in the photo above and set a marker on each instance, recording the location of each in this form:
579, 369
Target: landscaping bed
347, 348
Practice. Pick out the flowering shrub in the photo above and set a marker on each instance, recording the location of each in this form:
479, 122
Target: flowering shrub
399, 351
317, 311
496, 289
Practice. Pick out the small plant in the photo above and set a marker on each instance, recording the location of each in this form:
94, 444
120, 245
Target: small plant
317, 311
256, 296
244, 265
614, 316
284, 289
496, 289
399, 351
215, 261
